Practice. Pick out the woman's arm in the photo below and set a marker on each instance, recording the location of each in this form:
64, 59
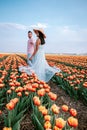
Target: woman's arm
36, 48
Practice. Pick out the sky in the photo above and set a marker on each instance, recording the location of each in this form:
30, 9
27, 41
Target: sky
64, 23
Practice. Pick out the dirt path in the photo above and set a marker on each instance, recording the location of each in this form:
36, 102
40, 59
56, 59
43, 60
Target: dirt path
26, 124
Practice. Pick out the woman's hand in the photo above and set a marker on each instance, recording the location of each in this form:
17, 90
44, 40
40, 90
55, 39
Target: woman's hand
30, 58
31, 42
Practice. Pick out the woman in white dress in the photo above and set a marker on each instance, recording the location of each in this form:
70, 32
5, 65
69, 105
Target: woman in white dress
40, 66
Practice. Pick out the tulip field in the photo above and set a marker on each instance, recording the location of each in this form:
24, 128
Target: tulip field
73, 77
22, 94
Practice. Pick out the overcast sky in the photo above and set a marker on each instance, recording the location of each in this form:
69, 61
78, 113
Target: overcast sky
64, 23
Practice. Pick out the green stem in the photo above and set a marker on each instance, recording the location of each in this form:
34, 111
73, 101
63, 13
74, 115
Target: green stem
9, 118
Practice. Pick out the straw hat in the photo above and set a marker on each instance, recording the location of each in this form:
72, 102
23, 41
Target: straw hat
40, 30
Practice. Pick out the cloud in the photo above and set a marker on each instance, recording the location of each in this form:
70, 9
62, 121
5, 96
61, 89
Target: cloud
59, 38
71, 34
13, 25
21, 26
66, 39
39, 25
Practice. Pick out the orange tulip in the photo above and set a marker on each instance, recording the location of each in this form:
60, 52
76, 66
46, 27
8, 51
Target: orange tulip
48, 129
44, 111
35, 85
33, 90
60, 123
9, 91
1, 80
55, 108
65, 108
15, 100
85, 84
76, 88
40, 86
32, 80
47, 117
19, 89
78, 81
10, 106
46, 86
1, 85
7, 128
17, 83
52, 96
56, 128
47, 90
26, 93
12, 88
19, 94
42, 82
73, 112
41, 92
47, 125
0, 112
36, 101
73, 122
30, 88
41, 108
11, 84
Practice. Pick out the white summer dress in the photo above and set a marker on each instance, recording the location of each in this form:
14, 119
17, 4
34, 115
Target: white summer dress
40, 66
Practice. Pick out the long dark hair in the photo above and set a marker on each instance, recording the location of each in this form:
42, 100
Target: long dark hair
41, 38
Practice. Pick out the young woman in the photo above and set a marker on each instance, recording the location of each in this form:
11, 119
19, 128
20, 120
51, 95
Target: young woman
40, 66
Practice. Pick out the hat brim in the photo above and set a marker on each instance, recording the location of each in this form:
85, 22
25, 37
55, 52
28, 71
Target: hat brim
35, 30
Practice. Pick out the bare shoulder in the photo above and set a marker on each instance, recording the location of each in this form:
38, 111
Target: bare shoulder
38, 41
